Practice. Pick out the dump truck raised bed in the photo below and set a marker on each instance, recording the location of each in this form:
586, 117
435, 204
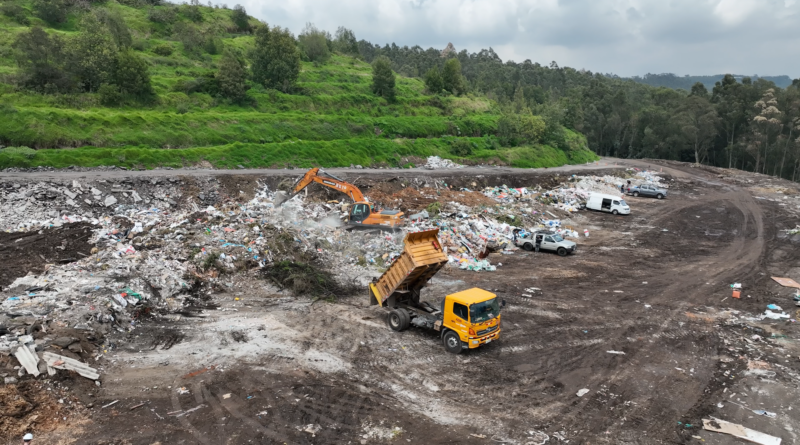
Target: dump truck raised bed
465, 320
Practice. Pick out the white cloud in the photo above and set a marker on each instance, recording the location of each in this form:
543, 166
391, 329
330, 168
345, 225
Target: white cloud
625, 37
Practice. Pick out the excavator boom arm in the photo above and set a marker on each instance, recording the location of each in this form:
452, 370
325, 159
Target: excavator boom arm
321, 177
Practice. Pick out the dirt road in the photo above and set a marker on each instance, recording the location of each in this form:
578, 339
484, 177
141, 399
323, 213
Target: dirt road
641, 317
91, 174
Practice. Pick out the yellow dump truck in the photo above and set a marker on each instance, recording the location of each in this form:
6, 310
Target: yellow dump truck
465, 320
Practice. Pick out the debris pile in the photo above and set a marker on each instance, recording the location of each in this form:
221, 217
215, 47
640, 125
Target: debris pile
437, 163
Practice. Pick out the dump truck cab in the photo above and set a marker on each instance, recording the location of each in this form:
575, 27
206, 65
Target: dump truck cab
465, 320
470, 318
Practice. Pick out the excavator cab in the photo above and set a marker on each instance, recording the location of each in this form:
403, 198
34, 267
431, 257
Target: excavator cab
359, 212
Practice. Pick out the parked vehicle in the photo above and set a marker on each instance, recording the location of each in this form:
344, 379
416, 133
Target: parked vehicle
649, 190
608, 203
547, 241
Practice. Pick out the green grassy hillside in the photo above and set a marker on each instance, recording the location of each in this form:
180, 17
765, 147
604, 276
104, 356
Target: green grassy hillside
331, 118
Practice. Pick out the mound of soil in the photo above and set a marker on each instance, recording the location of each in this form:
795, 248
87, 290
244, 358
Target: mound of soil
23, 252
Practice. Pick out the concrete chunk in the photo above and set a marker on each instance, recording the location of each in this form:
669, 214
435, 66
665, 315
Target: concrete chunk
110, 200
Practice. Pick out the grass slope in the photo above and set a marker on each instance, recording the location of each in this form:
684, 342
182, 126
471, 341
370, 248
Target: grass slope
331, 119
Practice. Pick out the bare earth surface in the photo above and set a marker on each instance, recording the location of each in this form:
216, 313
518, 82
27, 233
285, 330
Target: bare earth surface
655, 285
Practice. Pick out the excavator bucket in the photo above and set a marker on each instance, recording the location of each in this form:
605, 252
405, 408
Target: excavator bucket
280, 198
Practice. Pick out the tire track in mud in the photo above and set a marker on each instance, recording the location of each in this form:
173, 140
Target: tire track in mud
556, 354
746, 249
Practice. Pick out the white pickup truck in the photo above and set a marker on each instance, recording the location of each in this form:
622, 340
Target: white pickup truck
535, 241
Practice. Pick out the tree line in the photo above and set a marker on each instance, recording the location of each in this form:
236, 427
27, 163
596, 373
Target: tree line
743, 123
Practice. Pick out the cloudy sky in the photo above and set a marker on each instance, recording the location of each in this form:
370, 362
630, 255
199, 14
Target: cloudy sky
625, 37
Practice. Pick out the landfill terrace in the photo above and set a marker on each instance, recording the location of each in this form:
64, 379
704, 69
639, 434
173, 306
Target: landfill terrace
185, 306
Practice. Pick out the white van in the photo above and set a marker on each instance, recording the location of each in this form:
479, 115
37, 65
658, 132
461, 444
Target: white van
607, 203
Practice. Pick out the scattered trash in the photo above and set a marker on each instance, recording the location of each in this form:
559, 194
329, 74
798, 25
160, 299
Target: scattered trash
196, 373
616, 352
762, 412
582, 392
226, 396
537, 438
740, 432
774, 316
109, 404
774, 307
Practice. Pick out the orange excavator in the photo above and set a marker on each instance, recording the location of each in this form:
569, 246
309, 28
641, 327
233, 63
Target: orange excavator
362, 212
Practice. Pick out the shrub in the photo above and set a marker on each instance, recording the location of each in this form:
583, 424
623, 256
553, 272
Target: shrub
461, 147
232, 76
132, 75
163, 49
192, 12
110, 95
139, 45
240, 18
15, 12
19, 151
275, 59
314, 43
92, 54
51, 11
116, 25
165, 15
433, 81
452, 80
383, 79
517, 129
345, 42
40, 57
191, 38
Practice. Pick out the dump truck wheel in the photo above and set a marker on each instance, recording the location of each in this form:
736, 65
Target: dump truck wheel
452, 342
396, 320
528, 246
405, 319
562, 251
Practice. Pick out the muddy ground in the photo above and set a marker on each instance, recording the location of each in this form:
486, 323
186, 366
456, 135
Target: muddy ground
652, 287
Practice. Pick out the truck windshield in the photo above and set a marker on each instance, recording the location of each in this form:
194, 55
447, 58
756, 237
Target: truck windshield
486, 310
557, 238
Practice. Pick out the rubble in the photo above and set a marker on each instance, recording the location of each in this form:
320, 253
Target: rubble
437, 163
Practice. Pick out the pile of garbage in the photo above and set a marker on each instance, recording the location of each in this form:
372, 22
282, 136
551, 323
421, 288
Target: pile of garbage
436, 163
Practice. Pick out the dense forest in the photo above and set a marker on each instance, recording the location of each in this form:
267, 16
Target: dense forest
686, 82
750, 124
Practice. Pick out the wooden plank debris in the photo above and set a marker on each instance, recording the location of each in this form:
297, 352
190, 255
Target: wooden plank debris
60, 362
738, 431
787, 282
